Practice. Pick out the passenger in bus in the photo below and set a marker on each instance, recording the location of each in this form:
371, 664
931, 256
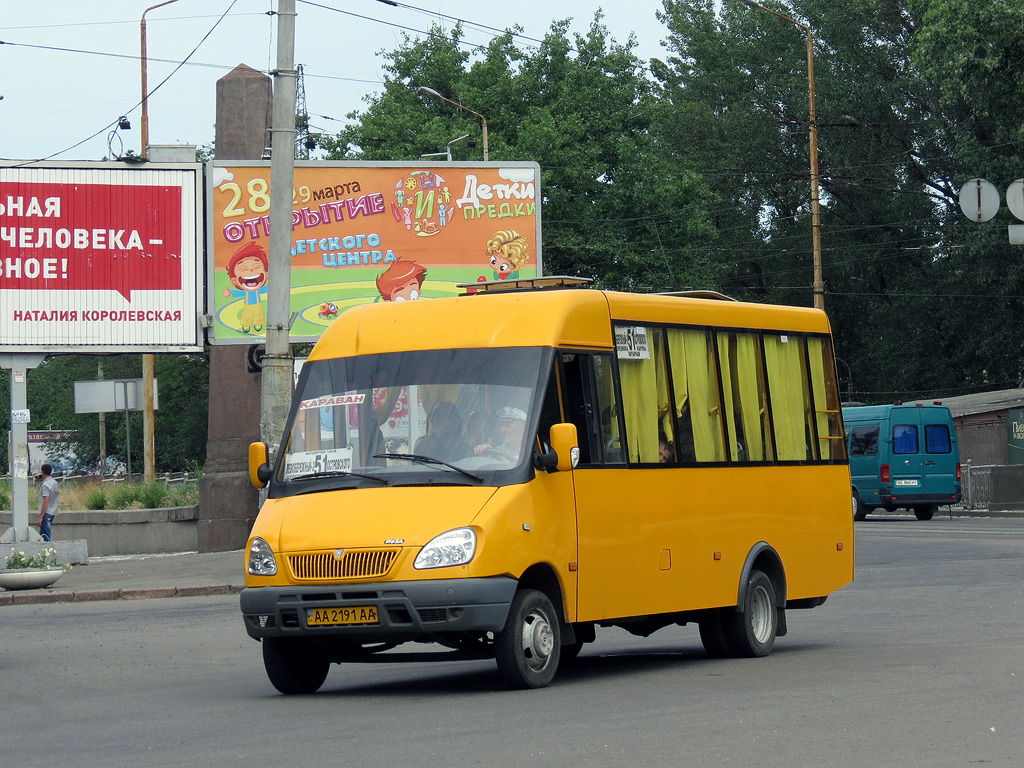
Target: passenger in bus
666, 451
444, 438
511, 424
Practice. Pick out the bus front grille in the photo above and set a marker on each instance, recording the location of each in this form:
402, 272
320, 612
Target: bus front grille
351, 564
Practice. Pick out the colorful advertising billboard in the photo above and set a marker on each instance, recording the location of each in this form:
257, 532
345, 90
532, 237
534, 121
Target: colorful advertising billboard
100, 257
365, 232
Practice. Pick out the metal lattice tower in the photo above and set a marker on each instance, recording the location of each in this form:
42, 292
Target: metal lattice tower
302, 138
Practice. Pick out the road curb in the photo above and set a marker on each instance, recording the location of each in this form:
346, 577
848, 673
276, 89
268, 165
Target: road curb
94, 595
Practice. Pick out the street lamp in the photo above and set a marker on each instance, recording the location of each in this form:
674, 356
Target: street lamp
431, 92
818, 286
148, 415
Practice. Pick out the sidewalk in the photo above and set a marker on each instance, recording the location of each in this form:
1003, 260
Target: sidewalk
133, 577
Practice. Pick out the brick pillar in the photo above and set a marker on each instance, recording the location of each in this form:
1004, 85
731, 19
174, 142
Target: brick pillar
228, 503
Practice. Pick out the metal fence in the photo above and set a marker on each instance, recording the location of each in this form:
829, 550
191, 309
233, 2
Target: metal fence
976, 485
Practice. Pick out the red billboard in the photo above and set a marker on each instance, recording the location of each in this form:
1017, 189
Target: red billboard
100, 257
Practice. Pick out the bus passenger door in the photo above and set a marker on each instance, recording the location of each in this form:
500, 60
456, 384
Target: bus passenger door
603, 512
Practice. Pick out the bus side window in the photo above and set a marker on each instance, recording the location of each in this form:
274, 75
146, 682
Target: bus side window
589, 403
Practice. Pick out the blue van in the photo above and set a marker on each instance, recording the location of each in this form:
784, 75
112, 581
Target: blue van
902, 455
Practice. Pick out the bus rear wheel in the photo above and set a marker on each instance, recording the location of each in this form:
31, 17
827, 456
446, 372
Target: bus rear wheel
751, 632
293, 666
528, 648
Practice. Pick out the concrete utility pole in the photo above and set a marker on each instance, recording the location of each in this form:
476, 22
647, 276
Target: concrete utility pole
277, 364
148, 411
818, 286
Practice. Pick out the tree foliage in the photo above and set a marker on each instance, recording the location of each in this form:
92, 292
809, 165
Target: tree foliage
180, 420
903, 118
617, 205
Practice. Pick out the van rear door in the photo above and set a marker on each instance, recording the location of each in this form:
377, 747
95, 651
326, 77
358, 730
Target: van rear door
940, 455
907, 462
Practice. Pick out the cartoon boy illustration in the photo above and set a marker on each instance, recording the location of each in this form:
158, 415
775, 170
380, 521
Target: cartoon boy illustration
247, 272
402, 281
507, 251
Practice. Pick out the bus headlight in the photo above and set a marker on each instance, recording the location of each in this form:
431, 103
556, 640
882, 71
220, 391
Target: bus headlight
452, 548
261, 558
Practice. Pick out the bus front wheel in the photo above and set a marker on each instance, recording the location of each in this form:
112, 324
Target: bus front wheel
751, 632
293, 666
528, 648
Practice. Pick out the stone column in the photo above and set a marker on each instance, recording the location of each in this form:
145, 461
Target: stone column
228, 503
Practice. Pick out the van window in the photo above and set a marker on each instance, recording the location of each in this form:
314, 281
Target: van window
864, 441
936, 439
904, 439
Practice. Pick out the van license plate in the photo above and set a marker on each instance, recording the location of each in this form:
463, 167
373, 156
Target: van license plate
905, 483
356, 614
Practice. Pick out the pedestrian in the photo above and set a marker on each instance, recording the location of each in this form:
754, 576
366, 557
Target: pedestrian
49, 499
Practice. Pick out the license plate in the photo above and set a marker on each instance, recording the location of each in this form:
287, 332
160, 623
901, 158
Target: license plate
906, 483
355, 614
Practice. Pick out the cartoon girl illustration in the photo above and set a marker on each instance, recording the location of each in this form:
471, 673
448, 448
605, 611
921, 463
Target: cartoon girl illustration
507, 252
402, 281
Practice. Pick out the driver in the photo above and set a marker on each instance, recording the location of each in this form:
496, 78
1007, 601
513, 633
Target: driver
511, 426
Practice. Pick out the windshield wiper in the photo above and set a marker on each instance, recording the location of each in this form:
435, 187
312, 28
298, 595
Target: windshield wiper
339, 473
427, 460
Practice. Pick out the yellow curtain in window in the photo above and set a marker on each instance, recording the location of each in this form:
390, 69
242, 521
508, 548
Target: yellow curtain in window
639, 397
696, 386
786, 382
821, 405
725, 364
748, 364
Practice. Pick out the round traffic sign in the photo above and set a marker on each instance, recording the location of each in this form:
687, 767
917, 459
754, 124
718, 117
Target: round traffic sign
1015, 198
979, 199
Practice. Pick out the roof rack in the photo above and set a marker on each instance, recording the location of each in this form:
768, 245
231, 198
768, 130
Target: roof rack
525, 284
702, 294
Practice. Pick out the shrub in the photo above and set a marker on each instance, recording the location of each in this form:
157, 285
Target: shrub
124, 495
5, 495
96, 499
151, 495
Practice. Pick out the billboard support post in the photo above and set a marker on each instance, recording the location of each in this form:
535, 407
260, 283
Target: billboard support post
19, 365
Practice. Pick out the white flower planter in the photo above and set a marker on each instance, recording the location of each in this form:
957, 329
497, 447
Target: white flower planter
29, 578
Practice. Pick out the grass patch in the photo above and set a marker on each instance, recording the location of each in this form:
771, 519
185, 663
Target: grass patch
90, 494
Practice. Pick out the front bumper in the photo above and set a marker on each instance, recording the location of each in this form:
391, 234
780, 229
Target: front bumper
407, 610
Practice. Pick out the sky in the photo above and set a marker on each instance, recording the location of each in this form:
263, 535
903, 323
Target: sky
70, 69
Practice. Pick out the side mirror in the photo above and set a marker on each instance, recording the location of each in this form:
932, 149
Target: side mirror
259, 465
565, 446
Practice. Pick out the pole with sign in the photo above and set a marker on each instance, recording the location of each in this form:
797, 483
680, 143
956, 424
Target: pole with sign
19, 366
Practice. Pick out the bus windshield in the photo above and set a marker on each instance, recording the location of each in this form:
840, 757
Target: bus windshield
461, 416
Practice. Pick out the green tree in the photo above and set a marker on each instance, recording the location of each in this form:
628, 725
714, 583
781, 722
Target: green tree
180, 421
901, 268
617, 205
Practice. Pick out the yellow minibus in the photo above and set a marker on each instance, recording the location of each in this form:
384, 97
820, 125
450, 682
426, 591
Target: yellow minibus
497, 474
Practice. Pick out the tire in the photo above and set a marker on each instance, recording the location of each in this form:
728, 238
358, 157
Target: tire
713, 634
529, 647
859, 512
293, 666
926, 512
751, 632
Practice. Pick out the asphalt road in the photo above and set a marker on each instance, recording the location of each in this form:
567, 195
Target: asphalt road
920, 662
